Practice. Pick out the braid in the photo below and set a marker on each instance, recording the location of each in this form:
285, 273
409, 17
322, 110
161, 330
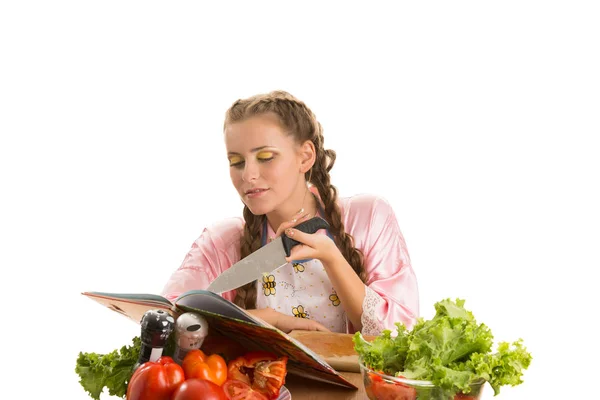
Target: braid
328, 193
245, 296
299, 121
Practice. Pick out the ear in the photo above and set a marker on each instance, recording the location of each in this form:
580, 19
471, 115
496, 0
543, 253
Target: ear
307, 156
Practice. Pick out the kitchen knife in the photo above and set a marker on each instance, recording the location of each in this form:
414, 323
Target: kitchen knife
264, 260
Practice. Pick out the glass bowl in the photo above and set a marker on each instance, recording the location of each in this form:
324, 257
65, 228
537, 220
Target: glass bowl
379, 386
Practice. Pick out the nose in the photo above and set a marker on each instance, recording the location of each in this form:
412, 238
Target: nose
251, 172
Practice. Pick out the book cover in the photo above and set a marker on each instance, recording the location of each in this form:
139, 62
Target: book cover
227, 319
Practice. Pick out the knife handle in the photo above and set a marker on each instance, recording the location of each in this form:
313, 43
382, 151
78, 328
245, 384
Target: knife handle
310, 226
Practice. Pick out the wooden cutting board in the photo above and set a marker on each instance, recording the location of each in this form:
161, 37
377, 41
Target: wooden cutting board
337, 349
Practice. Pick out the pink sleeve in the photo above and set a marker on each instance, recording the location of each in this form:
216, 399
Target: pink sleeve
391, 289
213, 252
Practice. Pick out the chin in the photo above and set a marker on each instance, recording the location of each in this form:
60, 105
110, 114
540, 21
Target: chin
258, 209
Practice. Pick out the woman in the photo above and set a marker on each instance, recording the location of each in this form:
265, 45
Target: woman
355, 276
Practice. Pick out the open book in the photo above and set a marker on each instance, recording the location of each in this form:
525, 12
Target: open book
227, 319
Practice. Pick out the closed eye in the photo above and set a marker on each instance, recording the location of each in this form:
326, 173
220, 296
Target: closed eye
240, 163
265, 156
237, 161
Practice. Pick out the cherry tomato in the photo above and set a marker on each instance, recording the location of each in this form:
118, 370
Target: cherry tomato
212, 368
195, 389
238, 390
155, 380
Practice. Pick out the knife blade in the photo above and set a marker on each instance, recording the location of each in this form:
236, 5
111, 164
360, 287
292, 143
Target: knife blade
264, 260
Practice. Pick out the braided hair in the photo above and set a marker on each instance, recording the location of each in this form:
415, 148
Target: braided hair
299, 121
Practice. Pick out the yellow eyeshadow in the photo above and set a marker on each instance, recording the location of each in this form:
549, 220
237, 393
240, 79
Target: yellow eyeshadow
264, 155
235, 159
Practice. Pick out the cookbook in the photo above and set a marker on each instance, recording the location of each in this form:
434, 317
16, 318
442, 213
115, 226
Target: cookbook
229, 320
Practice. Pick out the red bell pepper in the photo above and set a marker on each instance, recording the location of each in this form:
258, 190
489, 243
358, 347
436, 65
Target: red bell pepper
263, 371
155, 380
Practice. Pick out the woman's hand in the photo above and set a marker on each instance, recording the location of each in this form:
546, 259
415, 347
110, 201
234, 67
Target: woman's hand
312, 245
316, 246
296, 219
287, 323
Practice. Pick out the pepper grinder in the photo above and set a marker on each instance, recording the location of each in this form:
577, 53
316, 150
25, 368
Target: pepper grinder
156, 325
190, 331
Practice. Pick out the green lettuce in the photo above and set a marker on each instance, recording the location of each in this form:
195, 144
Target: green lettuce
112, 370
501, 368
451, 350
386, 353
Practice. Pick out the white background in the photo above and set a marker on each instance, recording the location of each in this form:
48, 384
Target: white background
478, 122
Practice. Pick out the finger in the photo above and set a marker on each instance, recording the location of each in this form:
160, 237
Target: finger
311, 325
321, 328
290, 224
300, 252
299, 218
302, 237
283, 227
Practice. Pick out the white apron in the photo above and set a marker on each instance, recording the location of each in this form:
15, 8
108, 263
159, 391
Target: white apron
302, 289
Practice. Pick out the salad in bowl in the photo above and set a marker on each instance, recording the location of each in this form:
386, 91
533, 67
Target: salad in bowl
447, 357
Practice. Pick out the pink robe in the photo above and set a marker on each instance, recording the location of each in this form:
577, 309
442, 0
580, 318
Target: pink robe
391, 288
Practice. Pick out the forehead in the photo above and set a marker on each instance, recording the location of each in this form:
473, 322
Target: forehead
257, 131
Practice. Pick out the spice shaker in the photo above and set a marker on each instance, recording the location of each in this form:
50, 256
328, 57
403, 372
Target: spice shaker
156, 325
190, 331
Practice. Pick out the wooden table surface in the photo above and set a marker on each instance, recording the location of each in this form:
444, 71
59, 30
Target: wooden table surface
307, 389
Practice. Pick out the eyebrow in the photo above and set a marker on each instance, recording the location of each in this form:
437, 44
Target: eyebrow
254, 150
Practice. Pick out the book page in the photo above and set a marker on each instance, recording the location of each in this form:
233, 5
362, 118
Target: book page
130, 305
211, 302
136, 297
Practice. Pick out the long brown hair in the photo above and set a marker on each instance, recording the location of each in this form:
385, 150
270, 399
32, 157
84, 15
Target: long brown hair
299, 121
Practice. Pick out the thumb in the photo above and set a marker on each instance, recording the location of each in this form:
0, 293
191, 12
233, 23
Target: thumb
299, 252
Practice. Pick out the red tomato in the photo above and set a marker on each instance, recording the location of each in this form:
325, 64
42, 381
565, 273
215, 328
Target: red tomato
155, 380
196, 389
238, 390
212, 368
383, 390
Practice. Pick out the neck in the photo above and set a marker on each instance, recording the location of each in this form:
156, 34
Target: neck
287, 212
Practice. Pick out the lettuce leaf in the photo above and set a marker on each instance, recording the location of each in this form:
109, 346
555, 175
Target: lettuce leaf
452, 335
112, 370
386, 353
505, 367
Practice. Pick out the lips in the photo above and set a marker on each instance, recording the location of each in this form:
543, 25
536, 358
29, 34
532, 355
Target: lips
256, 191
